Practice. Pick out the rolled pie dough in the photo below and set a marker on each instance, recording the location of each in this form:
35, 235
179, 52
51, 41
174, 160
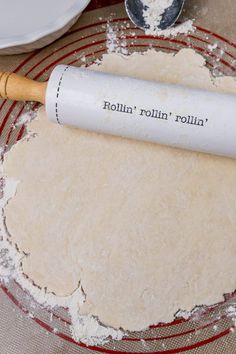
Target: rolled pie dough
146, 229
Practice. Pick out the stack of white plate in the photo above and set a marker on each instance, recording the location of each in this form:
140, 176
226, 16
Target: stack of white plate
26, 25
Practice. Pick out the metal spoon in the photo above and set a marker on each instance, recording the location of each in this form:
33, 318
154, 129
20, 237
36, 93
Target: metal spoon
135, 10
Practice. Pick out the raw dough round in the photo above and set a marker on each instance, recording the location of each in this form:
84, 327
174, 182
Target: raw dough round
147, 229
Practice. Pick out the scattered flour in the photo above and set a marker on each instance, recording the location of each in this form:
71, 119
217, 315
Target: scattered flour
231, 312
116, 42
26, 117
87, 329
212, 47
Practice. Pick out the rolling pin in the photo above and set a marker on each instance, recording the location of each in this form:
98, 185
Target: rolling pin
156, 112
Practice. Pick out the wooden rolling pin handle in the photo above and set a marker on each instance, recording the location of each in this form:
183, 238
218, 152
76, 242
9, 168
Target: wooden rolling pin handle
19, 88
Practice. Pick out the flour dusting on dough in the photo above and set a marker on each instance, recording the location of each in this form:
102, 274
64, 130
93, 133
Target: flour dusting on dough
112, 205
86, 329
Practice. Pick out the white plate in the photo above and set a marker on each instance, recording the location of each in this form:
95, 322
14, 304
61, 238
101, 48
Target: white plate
23, 23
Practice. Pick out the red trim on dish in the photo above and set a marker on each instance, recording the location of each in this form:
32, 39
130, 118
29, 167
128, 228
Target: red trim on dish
51, 313
7, 116
232, 44
193, 330
207, 42
108, 351
127, 37
63, 47
96, 4
12, 107
21, 132
104, 41
153, 37
18, 68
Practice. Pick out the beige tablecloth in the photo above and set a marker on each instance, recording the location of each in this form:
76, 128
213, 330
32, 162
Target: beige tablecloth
19, 332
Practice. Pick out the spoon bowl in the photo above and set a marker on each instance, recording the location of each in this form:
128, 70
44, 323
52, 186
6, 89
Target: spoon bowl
135, 10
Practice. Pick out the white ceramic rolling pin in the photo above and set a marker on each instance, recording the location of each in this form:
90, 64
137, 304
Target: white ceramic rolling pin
145, 110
